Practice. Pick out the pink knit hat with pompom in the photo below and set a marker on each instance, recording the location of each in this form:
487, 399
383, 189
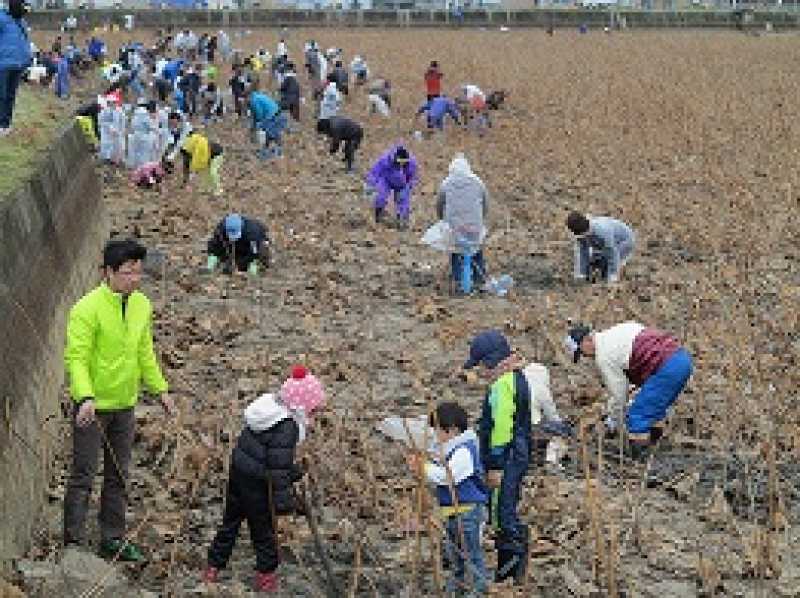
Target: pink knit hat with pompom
302, 391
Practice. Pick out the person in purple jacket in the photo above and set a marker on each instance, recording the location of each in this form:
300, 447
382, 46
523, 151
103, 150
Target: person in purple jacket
394, 172
633, 354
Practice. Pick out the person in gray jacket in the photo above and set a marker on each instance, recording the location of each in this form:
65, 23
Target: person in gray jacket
463, 203
603, 244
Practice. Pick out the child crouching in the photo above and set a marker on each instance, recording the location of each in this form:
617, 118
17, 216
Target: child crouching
463, 513
262, 473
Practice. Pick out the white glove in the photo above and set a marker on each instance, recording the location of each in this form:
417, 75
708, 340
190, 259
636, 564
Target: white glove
85, 414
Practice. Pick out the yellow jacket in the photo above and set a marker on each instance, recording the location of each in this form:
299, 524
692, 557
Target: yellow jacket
197, 146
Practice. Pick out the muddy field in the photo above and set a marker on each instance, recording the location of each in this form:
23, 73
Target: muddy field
691, 138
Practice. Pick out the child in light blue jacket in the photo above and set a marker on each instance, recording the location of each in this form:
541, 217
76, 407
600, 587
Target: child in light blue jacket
603, 242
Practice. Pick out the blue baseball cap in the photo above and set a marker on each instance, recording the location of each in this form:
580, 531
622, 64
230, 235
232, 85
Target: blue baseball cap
233, 226
489, 348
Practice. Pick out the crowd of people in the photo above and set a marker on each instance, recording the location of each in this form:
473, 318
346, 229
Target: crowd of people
177, 92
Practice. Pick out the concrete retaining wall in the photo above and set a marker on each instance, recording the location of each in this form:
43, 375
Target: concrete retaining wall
51, 237
425, 18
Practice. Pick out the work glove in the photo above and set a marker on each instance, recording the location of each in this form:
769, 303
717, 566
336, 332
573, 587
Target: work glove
611, 426
85, 415
252, 269
212, 262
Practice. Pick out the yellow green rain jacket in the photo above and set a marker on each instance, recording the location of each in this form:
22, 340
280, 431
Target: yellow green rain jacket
107, 355
199, 149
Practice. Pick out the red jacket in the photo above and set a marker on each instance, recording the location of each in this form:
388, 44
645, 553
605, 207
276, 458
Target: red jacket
433, 81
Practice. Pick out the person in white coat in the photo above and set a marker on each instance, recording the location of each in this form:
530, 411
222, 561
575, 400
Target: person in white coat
111, 120
331, 101
647, 358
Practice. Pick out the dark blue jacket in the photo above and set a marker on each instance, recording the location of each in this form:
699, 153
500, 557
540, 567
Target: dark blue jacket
15, 48
471, 490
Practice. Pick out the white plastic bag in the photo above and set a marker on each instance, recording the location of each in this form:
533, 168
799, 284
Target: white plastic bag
439, 237
413, 432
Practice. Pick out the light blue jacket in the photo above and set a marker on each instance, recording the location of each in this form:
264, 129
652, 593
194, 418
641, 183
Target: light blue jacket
15, 48
618, 239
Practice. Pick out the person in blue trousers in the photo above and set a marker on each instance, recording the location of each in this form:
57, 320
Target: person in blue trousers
15, 57
465, 512
268, 117
62, 78
632, 354
504, 431
436, 109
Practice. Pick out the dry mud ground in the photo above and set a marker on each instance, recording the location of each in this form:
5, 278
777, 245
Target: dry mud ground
690, 137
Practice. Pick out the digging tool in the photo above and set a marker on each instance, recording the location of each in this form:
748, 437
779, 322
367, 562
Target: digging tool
331, 588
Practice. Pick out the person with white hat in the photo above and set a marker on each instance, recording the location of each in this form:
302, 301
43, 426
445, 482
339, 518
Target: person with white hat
262, 474
633, 354
240, 240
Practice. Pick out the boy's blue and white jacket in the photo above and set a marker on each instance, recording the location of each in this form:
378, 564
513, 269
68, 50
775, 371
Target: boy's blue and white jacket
463, 459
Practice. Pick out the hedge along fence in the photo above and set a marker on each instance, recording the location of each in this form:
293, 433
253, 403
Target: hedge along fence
52, 19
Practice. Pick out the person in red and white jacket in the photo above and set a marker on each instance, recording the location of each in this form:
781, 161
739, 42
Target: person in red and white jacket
633, 354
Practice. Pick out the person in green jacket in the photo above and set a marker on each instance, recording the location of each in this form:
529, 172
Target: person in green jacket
109, 352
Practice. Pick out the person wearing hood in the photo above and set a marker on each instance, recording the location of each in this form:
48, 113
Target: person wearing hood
504, 431
463, 203
331, 100
360, 70
461, 474
601, 242
112, 122
290, 92
239, 241
647, 358
143, 141
436, 109
341, 129
394, 172
262, 474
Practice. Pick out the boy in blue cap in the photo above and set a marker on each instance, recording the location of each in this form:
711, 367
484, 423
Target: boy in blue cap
241, 241
504, 431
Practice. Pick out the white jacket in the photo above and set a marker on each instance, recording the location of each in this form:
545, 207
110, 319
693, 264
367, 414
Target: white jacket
459, 463
613, 348
331, 100
542, 405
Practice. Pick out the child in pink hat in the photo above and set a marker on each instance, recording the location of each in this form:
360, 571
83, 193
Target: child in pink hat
262, 473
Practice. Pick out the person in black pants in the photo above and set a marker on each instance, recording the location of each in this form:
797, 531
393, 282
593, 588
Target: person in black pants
262, 473
340, 128
290, 92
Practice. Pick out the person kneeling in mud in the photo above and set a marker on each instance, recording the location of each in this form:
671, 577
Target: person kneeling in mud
340, 128
201, 155
262, 473
241, 241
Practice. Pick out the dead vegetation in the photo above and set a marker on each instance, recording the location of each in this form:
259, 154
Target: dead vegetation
690, 138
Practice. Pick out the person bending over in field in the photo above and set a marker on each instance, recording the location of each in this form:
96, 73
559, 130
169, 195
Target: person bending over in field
649, 359
241, 242
602, 245
341, 129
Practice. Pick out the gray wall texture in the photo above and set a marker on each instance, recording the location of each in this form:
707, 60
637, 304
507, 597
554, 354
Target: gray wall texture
52, 232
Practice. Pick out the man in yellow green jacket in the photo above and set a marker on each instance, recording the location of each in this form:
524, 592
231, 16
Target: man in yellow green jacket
109, 352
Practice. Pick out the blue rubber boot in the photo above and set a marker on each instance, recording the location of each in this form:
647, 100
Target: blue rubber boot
466, 274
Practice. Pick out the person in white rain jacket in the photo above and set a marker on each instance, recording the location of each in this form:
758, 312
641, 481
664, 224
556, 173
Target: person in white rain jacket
111, 120
143, 139
331, 101
282, 50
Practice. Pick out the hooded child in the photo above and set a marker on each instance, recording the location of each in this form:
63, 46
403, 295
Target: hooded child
262, 473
